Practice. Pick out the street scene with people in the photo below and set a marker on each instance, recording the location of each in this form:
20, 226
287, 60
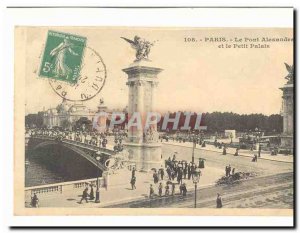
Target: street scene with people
123, 152
183, 161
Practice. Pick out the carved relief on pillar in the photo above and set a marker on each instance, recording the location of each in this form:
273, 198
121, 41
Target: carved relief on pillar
154, 84
288, 104
151, 136
136, 83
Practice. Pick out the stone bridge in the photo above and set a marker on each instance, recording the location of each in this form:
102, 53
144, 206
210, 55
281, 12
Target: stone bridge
87, 151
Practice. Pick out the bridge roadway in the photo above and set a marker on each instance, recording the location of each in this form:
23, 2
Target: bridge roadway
85, 150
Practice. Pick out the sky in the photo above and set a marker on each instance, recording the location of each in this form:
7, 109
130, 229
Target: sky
197, 76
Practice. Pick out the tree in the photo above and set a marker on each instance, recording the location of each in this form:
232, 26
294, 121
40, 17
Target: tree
34, 119
66, 124
83, 123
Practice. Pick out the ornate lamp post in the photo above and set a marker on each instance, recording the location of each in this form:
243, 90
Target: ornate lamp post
258, 135
196, 179
27, 137
194, 139
97, 200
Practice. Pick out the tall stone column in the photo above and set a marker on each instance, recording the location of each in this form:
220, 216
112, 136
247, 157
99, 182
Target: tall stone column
288, 111
144, 149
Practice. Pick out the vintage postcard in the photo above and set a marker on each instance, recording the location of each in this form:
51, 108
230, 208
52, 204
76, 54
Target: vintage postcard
154, 121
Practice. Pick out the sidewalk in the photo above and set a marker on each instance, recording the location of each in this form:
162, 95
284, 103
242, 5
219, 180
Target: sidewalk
119, 189
246, 153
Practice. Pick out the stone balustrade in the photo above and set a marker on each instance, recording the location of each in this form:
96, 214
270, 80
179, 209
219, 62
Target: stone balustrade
108, 149
61, 188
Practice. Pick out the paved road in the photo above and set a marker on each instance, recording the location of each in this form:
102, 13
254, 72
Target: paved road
219, 161
272, 177
259, 189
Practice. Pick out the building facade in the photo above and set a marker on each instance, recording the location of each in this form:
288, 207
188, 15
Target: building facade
66, 114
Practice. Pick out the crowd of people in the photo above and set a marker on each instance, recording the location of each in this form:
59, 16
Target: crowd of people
91, 138
165, 179
182, 138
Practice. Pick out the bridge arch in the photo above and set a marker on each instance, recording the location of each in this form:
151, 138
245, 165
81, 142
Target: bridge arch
86, 153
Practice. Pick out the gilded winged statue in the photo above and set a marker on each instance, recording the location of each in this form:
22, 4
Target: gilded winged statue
290, 76
141, 46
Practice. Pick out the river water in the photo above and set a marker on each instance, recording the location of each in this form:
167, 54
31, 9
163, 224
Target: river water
57, 164
38, 174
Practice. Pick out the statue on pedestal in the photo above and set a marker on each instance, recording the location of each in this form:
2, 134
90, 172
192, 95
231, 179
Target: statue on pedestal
290, 76
143, 144
141, 46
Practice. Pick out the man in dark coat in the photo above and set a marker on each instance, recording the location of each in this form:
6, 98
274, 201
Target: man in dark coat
132, 182
133, 172
162, 173
169, 173
179, 175
155, 178
189, 171
84, 196
184, 190
167, 192
160, 187
34, 201
92, 197
224, 150
184, 171
219, 201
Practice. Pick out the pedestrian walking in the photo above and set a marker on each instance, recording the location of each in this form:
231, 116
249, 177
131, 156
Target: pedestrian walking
132, 182
169, 173
84, 195
133, 172
189, 171
179, 176
236, 152
219, 201
184, 190
92, 193
34, 201
160, 187
174, 156
155, 178
224, 150
162, 173
167, 191
184, 170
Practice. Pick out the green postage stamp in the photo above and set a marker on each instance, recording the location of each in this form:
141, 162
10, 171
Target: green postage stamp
62, 56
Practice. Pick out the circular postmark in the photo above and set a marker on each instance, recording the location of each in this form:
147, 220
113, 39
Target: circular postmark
90, 81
